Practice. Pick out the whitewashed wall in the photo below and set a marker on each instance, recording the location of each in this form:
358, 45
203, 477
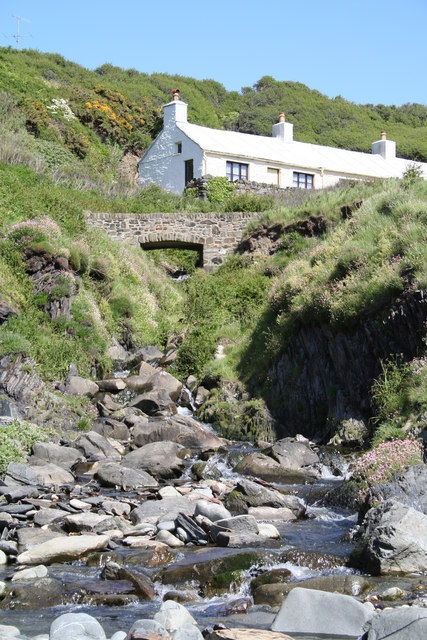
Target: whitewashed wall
258, 172
164, 166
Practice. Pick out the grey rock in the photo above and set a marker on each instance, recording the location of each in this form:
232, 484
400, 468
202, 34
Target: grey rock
408, 487
350, 433
89, 522
187, 632
201, 396
29, 537
8, 631
62, 548
78, 386
154, 511
148, 627
173, 616
193, 532
162, 459
96, 447
64, 457
47, 516
16, 493
184, 430
46, 475
257, 495
295, 456
270, 514
243, 525
111, 428
111, 474
403, 623
33, 573
76, 626
259, 465
154, 402
306, 611
393, 539
34, 594
113, 385
211, 510
169, 538
116, 507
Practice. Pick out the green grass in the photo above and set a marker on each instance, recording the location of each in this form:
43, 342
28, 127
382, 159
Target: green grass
16, 440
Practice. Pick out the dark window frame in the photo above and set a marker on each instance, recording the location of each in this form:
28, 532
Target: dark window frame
178, 147
236, 171
303, 180
189, 170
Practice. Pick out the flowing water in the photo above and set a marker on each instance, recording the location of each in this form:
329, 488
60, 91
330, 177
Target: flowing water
323, 533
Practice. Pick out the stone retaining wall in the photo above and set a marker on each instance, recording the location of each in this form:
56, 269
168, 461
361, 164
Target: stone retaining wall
214, 235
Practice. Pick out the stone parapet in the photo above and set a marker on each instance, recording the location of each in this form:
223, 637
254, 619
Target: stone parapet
214, 235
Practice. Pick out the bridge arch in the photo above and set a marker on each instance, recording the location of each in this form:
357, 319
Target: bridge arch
212, 235
165, 243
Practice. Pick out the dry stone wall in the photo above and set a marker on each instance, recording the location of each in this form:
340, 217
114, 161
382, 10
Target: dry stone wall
214, 235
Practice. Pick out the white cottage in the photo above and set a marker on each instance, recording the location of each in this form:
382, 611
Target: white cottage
183, 151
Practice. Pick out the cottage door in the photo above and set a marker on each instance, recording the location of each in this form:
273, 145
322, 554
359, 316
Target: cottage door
189, 171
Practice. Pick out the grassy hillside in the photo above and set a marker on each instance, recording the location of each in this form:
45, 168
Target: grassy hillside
115, 290
88, 128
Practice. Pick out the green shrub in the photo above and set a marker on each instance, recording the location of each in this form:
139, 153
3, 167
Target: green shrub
248, 202
220, 189
75, 259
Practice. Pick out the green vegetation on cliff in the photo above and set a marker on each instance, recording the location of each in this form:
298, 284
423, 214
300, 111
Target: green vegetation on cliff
88, 128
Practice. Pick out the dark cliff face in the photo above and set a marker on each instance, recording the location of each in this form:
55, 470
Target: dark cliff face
325, 376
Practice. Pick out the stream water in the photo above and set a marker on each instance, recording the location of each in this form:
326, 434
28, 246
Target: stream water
323, 533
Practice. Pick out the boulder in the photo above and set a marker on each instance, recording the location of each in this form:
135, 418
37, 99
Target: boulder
173, 616
77, 386
162, 459
212, 510
350, 433
271, 514
76, 626
112, 385
408, 487
96, 447
242, 525
112, 474
32, 573
45, 475
164, 380
48, 516
187, 632
29, 537
257, 495
8, 631
138, 384
6, 311
154, 511
154, 402
403, 623
65, 457
111, 428
89, 522
262, 466
169, 538
143, 586
392, 540
34, 594
147, 629
62, 549
295, 456
317, 612
184, 430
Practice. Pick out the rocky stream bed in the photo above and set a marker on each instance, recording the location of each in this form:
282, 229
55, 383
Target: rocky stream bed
151, 526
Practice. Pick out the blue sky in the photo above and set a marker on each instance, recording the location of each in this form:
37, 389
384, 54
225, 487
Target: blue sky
368, 51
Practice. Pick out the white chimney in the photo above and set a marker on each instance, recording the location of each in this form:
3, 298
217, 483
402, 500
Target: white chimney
175, 111
385, 148
283, 130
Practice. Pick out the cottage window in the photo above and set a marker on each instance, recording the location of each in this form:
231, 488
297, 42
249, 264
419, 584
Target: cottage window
303, 180
189, 171
237, 171
179, 147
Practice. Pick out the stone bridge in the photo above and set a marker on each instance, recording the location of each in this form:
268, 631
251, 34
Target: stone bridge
213, 235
